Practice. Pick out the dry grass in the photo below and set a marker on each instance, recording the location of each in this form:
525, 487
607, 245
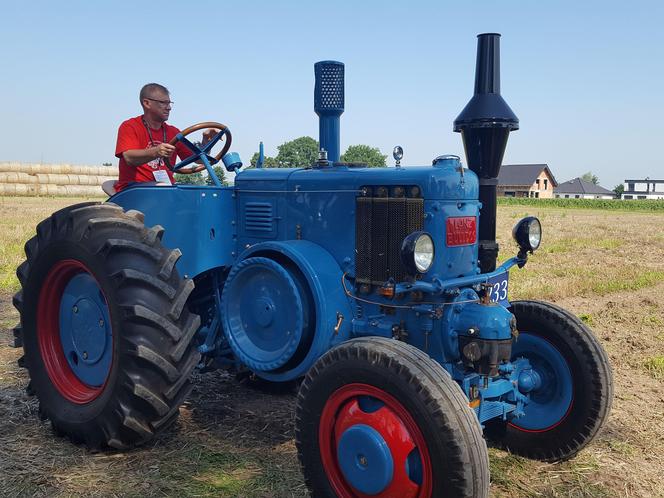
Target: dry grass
233, 441
18, 218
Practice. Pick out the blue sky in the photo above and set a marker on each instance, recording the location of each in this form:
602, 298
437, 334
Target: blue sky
584, 78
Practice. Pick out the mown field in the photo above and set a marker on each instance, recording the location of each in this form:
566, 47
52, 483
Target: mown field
605, 265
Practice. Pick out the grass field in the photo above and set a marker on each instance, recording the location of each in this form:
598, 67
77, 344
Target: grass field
605, 266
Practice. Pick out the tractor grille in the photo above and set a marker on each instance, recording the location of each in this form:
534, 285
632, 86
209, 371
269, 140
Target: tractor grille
258, 217
384, 217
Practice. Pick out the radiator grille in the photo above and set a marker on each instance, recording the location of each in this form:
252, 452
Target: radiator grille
258, 217
381, 224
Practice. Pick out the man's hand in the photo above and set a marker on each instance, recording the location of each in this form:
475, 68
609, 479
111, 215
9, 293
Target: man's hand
136, 157
208, 135
164, 150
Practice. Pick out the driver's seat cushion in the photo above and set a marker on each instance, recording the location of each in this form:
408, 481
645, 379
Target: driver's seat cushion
109, 187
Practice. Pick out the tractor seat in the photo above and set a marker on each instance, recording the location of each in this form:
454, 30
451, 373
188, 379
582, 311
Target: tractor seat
109, 187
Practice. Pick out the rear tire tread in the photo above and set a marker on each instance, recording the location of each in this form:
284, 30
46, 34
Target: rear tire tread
155, 344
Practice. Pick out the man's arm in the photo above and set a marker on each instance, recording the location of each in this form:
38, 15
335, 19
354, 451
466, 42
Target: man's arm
136, 157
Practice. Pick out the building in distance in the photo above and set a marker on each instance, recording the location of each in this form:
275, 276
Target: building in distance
578, 188
643, 189
526, 180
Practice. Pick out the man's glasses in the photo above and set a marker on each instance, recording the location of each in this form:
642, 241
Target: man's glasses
162, 102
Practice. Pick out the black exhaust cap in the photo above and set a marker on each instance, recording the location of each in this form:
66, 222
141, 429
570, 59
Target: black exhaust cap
486, 121
485, 124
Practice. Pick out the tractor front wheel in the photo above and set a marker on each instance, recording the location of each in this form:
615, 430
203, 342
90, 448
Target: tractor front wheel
574, 390
104, 326
378, 417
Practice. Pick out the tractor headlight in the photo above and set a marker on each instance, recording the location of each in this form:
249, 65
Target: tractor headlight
528, 233
417, 252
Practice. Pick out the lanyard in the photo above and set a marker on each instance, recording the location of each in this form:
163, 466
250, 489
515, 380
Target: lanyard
163, 127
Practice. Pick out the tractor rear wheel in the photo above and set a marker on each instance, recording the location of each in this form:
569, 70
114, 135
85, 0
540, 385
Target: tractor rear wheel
575, 390
104, 326
378, 417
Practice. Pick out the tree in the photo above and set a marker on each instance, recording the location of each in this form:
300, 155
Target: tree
619, 189
303, 152
371, 156
268, 162
589, 177
193, 179
298, 153
221, 174
107, 164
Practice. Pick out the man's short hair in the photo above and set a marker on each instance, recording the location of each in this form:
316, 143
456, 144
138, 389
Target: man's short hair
149, 90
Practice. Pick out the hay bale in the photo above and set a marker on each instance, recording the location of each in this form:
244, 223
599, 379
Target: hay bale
17, 177
58, 169
22, 189
71, 179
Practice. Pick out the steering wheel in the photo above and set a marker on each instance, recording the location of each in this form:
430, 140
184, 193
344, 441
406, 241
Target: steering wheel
200, 152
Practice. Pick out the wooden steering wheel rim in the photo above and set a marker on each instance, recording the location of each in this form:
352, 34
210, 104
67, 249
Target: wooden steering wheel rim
202, 126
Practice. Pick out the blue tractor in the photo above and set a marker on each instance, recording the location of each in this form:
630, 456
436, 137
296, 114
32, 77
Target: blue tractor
377, 288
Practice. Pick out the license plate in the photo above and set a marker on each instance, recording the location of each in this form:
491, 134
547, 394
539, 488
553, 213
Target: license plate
499, 287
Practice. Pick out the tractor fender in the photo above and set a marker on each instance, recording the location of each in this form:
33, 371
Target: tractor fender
333, 308
197, 220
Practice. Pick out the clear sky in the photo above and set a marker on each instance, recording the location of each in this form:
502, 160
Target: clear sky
584, 78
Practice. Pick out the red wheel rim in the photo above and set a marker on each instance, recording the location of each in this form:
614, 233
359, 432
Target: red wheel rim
394, 423
48, 334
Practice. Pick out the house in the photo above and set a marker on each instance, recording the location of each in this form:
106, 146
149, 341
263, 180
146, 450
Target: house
581, 189
526, 180
643, 189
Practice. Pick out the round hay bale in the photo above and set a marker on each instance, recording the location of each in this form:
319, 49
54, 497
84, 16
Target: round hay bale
57, 169
72, 179
17, 177
20, 189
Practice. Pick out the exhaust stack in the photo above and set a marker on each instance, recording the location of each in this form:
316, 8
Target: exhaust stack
329, 105
485, 124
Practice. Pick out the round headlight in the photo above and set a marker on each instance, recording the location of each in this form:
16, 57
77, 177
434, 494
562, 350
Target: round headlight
528, 233
417, 252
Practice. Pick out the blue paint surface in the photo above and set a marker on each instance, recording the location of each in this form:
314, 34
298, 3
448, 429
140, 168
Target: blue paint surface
365, 459
200, 221
85, 330
263, 314
552, 389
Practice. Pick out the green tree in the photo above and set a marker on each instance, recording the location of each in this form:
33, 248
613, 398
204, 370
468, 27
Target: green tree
619, 189
268, 162
371, 156
297, 153
193, 179
589, 177
221, 174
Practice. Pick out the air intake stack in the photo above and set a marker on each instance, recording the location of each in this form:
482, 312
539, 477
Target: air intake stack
329, 105
485, 124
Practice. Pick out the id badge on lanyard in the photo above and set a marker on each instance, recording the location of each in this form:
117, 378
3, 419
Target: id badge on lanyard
155, 163
160, 175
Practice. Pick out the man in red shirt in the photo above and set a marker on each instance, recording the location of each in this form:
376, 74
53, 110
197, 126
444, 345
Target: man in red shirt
142, 145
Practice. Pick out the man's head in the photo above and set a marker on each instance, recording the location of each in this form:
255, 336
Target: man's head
156, 101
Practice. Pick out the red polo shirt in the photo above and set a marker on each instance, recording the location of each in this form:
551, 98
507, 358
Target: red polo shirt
133, 134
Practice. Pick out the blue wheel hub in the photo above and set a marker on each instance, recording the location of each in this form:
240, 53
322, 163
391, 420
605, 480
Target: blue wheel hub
264, 311
549, 384
365, 459
263, 314
85, 330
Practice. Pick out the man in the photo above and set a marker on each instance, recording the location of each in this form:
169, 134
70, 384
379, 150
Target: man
142, 145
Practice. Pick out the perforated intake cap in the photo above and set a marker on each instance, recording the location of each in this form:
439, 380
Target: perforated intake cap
329, 88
